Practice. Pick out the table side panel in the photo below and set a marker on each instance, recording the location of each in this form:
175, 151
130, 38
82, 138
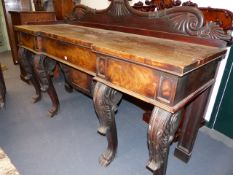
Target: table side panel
195, 80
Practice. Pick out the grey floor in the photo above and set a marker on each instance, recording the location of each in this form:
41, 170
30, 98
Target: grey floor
68, 144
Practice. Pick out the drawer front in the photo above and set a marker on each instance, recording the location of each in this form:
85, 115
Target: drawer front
70, 54
145, 81
27, 40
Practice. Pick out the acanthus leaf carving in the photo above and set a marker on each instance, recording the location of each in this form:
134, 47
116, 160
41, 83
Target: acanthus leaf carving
161, 131
79, 11
214, 31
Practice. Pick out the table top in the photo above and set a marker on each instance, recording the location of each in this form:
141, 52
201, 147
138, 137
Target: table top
172, 56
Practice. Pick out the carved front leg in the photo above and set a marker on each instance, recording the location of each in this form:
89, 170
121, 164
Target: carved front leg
65, 71
43, 68
105, 102
162, 128
25, 61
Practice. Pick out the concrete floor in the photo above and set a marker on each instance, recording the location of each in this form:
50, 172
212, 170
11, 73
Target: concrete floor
68, 144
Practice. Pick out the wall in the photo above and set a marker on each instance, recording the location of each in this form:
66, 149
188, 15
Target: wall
4, 30
225, 4
100, 4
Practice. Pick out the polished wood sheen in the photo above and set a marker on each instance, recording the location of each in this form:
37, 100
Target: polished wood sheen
167, 59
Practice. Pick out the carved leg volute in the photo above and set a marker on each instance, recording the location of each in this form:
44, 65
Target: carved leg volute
105, 102
43, 68
162, 128
25, 61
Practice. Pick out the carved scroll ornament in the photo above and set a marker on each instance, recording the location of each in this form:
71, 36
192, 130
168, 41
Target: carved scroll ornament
183, 20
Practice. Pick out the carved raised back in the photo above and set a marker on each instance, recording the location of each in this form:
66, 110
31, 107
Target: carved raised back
222, 17
180, 23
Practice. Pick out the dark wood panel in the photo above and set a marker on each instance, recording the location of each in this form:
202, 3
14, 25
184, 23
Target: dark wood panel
62, 8
2, 89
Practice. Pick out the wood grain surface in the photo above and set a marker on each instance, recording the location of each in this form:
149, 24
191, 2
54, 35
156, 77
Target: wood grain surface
169, 55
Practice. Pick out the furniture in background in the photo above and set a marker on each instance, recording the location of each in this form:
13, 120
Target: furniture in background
18, 13
174, 75
25, 17
2, 89
10, 5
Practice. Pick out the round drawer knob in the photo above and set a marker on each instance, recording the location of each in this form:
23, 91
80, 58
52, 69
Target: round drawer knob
66, 58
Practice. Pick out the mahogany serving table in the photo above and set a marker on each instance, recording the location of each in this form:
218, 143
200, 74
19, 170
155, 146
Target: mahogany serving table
168, 74
167, 59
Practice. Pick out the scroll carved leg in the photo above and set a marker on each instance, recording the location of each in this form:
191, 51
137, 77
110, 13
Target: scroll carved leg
42, 68
162, 128
65, 71
105, 102
26, 65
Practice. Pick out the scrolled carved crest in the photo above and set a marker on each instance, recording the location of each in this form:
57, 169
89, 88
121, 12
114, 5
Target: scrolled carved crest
184, 20
79, 11
118, 8
191, 21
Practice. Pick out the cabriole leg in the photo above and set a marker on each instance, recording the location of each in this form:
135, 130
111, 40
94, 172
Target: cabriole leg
25, 60
162, 128
65, 71
43, 68
105, 102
